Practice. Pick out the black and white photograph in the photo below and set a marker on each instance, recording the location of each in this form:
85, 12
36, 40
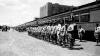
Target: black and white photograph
49, 27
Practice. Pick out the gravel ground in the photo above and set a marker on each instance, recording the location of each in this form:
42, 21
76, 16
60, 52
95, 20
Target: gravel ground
13, 43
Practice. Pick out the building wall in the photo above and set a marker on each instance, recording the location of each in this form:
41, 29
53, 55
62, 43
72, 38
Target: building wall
41, 12
62, 8
52, 9
87, 26
55, 8
46, 10
49, 9
95, 16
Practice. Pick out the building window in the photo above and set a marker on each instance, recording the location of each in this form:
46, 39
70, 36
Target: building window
85, 17
76, 18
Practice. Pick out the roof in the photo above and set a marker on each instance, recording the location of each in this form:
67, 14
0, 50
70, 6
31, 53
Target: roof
89, 4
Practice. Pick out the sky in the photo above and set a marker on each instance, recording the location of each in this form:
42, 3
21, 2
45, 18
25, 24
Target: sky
16, 12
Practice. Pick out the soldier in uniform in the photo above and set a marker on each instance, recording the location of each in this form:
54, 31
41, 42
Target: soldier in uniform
54, 36
81, 32
97, 33
48, 35
72, 29
65, 35
58, 33
62, 35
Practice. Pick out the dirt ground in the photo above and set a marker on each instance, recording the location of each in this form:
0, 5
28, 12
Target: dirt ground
13, 43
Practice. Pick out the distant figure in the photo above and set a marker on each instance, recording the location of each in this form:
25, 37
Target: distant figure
81, 32
0, 28
97, 33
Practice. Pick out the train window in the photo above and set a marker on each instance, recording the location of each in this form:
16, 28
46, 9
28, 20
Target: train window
85, 18
76, 18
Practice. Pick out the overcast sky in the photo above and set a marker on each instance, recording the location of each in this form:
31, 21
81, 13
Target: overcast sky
15, 12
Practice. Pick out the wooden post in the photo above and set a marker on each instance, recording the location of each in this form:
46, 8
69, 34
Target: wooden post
79, 17
64, 20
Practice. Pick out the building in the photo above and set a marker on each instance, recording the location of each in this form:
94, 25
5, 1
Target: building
55, 8
51, 9
46, 10
86, 15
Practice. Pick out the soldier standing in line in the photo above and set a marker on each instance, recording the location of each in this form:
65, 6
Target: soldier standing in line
54, 35
45, 32
62, 33
49, 32
40, 32
97, 33
65, 35
55, 30
81, 32
72, 29
58, 33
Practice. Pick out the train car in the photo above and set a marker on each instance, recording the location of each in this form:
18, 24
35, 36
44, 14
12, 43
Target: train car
87, 16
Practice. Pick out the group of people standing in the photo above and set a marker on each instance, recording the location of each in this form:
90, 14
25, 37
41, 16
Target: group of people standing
4, 28
63, 35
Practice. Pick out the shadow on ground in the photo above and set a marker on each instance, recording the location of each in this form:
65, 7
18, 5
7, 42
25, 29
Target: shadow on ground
97, 45
78, 48
83, 41
74, 48
77, 45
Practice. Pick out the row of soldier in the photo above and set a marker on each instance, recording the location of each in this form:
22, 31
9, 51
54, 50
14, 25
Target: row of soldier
58, 34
